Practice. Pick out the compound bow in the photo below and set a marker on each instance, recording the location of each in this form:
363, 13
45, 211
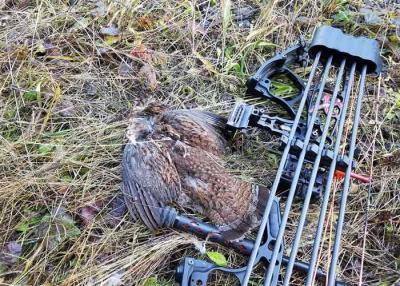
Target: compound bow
311, 159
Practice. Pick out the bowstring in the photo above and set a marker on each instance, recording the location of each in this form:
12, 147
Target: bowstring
373, 145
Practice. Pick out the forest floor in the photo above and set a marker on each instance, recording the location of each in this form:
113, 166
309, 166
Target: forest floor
70, 73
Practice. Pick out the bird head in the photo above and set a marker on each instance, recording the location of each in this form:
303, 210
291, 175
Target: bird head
141, 123
140, 128
154, 108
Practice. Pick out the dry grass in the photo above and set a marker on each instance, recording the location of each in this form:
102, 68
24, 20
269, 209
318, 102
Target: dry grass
66, 90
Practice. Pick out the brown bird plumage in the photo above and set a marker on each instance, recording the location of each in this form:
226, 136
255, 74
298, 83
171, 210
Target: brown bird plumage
175, 156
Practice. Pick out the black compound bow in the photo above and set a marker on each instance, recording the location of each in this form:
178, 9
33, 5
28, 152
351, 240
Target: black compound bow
311, 159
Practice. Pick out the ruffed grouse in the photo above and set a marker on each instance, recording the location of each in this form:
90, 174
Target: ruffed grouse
175, 156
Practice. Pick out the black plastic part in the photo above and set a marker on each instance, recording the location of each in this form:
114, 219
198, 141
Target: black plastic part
259, 84
245, 115
304, 179
362, 50
195, 272
195, 226
240, 116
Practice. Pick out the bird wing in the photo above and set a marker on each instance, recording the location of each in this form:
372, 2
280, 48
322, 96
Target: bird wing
200, 129
149, 181
216, 121
227, 201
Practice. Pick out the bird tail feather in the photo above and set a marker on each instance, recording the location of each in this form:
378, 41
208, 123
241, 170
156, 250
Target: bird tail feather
237, 230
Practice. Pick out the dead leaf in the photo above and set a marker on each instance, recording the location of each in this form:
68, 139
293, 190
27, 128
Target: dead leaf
110, 40
100, 10
89, 88
81, 24
65, 108
124, 69
21, 53
110, 31
198, 28
87, 214
146, 23
243, 13
114, 280
142, 53
10, 253
148, 72
118, 209
40, 49
48, 49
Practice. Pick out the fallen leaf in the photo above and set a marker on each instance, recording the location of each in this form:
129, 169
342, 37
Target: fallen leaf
65, 108
151, 281
89, 88
81, 24
124, 69
45, 149
146, 23
218, 258
371, 17
10, 253
110, 40
87, 214
40, 48
100, 10
149, 74
30, 95
110, 31
114, 280
141, 52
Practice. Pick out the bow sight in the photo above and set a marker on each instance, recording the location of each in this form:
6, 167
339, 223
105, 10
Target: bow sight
312, 153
